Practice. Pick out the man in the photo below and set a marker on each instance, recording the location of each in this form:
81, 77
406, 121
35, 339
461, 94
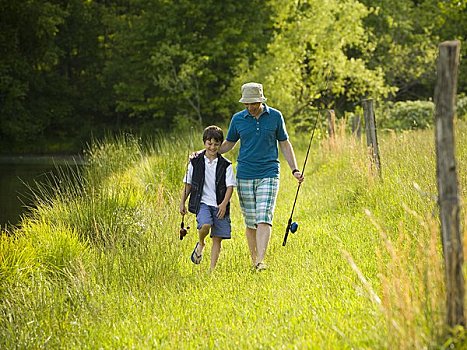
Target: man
259, 128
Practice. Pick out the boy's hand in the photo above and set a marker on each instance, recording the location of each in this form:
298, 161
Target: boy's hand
221, 210
182, 209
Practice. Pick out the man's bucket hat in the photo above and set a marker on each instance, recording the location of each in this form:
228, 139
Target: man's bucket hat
252, 93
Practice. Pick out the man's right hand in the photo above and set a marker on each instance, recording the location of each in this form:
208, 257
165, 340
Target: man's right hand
195, 154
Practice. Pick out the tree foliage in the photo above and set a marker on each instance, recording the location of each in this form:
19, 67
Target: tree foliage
406, 115
406, 34
27, 58
174, 63
452, 25
49, 70
316, 57
80, 67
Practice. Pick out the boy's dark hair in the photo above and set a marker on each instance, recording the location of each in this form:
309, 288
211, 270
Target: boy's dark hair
213, 132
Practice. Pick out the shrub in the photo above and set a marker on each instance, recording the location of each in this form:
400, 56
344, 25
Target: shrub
406, 115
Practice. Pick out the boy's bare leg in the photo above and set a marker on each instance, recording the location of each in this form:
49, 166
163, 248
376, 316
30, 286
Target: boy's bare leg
263, 234
215, 251
251, 239
202, 233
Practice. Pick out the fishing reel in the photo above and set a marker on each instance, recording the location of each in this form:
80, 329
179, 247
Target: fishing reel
293, 227
183, 230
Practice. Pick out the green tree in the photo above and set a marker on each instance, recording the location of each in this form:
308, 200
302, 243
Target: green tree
50, 86
315, 58
172, 63
405, 44
83, 54
28, 53
452, 25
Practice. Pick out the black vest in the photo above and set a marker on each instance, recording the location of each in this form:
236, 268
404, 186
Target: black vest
197, 182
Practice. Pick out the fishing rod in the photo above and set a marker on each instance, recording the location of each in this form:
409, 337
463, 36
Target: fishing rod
183, 230
293, 226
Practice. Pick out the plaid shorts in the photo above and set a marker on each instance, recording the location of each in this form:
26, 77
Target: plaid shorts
257, 199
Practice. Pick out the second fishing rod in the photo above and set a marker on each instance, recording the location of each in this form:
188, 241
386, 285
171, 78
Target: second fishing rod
293, 226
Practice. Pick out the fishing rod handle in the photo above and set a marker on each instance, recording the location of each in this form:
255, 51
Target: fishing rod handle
287, 232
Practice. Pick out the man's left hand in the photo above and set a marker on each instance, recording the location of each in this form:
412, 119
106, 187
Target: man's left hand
299, 176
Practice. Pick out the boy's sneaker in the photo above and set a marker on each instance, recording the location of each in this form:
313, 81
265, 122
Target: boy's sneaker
260, 267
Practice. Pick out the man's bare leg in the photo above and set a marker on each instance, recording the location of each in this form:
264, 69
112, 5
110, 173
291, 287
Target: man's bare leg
263, 234
251, 239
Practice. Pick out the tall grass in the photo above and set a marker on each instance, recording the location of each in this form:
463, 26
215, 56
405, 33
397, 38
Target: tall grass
98, 263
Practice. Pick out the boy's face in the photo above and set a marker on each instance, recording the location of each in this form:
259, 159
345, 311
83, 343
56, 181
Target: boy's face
211, 146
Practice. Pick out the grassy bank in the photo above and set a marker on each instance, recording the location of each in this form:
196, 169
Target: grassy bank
100, 264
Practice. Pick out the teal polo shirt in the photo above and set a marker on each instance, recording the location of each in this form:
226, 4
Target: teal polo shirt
258, 157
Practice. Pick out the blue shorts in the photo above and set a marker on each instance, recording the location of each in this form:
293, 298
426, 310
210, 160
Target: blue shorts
219, 227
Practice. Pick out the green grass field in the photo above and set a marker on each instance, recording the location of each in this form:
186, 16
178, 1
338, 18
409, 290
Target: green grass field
99, 263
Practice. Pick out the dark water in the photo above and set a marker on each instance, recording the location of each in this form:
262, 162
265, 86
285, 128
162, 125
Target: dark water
18, 178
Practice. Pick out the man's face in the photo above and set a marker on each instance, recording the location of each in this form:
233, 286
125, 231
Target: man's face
253, 108
211, 146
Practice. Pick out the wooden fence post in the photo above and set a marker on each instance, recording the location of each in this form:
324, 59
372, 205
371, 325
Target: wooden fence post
370, 129
448, 200
331, 124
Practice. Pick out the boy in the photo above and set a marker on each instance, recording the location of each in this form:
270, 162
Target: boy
209, 181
